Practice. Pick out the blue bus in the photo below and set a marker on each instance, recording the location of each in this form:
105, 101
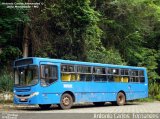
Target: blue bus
45, 81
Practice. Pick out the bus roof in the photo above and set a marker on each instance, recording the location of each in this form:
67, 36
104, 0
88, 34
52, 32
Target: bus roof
80, 63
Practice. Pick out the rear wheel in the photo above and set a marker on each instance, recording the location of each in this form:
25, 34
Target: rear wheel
121, 99
66, 101
45, 107
99, 103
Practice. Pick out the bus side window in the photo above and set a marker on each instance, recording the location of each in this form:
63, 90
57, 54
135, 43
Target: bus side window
141, 76
125, 79
73, 77
66, 77
68, 72
142, 79
117, 79
118, 75
137, 76
82, 77
99, 74
88, 77
124, 75
114, 72
110, 78
109, 75
84, 73
78, 77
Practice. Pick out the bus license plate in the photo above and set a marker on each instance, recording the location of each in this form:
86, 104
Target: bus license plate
23, 99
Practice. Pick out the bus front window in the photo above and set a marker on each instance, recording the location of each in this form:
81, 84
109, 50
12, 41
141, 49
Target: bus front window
26, 76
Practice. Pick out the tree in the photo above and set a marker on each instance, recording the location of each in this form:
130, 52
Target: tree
10, 42
128, 26
66, 27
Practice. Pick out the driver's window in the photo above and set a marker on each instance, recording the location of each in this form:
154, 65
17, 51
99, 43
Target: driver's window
48, 74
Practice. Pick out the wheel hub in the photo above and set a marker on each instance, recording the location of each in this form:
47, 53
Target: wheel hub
121, 100
66, 101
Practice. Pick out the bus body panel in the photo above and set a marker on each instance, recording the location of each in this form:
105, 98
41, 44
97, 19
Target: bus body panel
83, 91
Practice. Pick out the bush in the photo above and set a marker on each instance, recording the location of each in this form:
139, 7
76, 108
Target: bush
154, 90
157, 97
6, 81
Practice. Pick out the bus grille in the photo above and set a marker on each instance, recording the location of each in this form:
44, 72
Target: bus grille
22, 90
23, 95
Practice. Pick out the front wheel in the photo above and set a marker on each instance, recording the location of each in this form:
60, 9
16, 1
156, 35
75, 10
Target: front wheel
45, 107
66, 101
121, 99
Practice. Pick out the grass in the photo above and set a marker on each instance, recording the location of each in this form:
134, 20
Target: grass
6, 101
146, 100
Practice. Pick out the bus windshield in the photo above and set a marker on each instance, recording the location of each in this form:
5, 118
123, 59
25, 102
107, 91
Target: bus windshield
26, 75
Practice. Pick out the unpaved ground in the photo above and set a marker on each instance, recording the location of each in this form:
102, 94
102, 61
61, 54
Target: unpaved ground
131, 107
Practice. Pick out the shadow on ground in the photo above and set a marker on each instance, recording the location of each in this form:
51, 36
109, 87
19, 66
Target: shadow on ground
75, 106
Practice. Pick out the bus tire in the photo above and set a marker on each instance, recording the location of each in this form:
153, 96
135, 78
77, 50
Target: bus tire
66, 101
98, 103
121, 99
45, 106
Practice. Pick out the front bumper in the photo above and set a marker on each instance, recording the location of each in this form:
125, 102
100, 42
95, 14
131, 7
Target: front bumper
26, 98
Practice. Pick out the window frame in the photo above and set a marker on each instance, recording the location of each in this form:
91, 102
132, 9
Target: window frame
133, 75
124, 69
74, 69
95, 73
85, 73
74, 72
50, 77
112, 75
91, 69
107, 72
137, 77
141, 76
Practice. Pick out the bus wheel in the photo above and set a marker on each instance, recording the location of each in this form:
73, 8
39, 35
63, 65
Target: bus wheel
44, 107
66, 101
99, 103
121, 99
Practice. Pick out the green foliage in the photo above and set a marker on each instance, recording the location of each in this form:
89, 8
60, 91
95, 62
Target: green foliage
144, 57
145, 100
157, 97
9, 21
9, 52
154, 90
6, 81
114, 31
131, 27
46, 51
109, 56
148, 58
72, 24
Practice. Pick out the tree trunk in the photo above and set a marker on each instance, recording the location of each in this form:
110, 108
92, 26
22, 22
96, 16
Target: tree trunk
25, 41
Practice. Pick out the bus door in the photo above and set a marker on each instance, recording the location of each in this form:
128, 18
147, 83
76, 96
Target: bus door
48, 74
49, 83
